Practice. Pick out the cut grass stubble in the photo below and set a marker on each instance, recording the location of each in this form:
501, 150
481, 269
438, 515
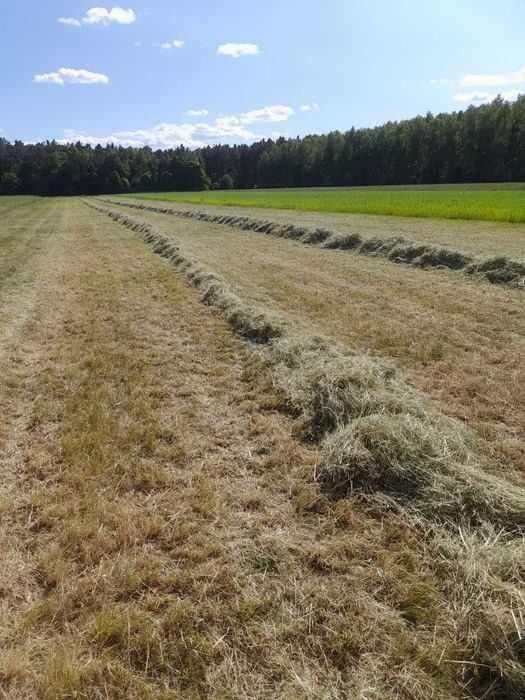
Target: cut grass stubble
497, 270
174, 546
379, 436
336, 390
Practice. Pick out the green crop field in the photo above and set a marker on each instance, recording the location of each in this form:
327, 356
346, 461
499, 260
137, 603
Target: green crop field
488, 202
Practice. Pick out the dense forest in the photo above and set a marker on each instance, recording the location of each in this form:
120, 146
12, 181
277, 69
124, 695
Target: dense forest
480, 144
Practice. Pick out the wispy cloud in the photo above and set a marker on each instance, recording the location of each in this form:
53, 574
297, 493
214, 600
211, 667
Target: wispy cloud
275, 113
168, 135
173, 44
197, 113
101, 15
238, 50
70, 21
72, 76
312, 107
483, 86
492, 80
226, 129
478, 98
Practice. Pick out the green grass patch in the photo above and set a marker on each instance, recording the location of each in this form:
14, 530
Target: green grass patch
478, 202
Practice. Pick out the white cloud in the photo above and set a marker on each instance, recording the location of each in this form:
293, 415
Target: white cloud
476, 80
72, 76
197, 113
238, 50
312, 107
478, 98
168, 135
473, 98
137, 44
226, 129
101, 15
275, 113
174, 44
70, 21
511, 95
439, 81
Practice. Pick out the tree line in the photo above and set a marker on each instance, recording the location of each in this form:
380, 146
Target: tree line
479, 144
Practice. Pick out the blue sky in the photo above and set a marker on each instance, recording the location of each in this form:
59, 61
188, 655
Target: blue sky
138, 72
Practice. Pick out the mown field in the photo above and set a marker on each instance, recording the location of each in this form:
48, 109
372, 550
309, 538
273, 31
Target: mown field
188, 513
478, 238
474, 202
462, 343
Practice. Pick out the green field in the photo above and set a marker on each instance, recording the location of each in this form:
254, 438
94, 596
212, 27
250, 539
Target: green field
487, 202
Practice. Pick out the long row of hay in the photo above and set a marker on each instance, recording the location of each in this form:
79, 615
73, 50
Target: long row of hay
379, 435
497, 270
250, 321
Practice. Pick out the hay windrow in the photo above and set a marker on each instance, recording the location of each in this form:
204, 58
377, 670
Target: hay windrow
501, 270
379, 434
254, 323
343, 241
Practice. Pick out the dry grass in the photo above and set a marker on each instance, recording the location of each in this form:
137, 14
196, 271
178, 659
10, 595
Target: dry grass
386, 437
498, 270
477, 238
422, 462
410, 454
459, 342
162, 536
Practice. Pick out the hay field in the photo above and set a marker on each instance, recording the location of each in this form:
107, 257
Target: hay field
473, 237
188, 513
460, 341
481, 203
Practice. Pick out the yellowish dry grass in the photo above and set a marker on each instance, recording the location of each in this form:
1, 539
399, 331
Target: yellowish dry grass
482, 239
161, 535
460, 341
484, 568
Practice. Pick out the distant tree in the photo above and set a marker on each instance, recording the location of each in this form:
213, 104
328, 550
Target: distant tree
226, 182
477, 144
145, 182
115, 182
9, 183
189, 175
